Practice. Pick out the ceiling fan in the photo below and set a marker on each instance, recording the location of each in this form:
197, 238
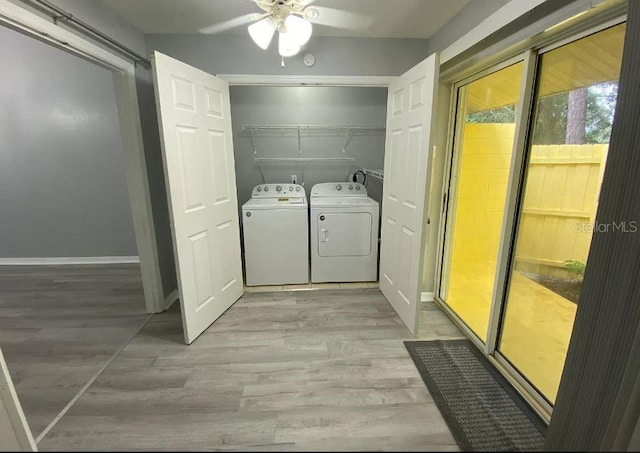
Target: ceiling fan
291, 18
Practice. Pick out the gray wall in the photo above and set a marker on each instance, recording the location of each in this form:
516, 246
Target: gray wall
105, 20
238, 54
63, 189
100, 17
463, 22
306, 105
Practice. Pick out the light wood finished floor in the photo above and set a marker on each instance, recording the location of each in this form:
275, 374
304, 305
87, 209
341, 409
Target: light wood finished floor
59, 325
299, 370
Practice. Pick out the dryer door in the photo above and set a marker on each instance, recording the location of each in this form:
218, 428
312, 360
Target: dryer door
344, 234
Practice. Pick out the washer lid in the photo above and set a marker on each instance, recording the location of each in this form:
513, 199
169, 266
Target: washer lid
283, 202
338, 189
343, 202
278, 190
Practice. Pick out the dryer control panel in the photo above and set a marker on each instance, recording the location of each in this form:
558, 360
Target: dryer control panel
278, 190
338, 189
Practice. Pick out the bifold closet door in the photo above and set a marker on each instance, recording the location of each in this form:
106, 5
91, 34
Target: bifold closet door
410, 126
197, 150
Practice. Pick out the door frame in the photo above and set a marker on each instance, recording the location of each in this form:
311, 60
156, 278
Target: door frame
123, 73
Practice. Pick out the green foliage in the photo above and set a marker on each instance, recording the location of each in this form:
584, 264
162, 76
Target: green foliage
601, 105
551, 119
551, 115
575, 267
505, 114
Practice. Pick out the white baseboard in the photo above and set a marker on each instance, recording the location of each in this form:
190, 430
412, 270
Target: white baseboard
426, 297
170, 299
61, 260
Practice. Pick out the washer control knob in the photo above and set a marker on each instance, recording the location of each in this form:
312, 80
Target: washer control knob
266, 189
350, 186
357, 187
259, 189
339, 187
290, 188
297, 189
279, 188
248, 214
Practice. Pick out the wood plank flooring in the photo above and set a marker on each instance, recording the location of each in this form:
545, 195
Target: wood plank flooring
59, 325
302, 370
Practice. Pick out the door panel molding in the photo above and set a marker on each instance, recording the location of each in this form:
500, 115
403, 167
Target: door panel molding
195, 123
412, 102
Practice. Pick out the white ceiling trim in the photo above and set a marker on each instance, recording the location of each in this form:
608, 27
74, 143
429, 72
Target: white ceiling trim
503, 16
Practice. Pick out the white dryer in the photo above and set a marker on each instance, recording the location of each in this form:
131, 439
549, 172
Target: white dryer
275, 222
344, 233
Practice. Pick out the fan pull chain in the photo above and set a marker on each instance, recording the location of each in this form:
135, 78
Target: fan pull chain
282, 63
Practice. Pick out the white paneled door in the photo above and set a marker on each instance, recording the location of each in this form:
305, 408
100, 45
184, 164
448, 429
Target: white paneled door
410, 118
197, 150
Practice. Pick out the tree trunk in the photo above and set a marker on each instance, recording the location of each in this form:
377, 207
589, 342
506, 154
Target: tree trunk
576, 117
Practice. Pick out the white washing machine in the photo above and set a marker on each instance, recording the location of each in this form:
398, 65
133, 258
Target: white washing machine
344, 233
275, 222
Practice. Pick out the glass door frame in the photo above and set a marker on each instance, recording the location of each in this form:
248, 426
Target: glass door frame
452, 172
517, 178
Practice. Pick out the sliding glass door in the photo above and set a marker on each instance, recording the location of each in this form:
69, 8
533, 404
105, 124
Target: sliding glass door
522, 197
574, 109
483, 141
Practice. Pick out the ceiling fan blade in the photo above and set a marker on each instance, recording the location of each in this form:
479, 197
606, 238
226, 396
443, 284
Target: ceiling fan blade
232, 23
264, 5
336, 18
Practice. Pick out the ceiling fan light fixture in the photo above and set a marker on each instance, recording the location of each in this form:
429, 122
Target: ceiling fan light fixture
262, 32
287, 46
300, 29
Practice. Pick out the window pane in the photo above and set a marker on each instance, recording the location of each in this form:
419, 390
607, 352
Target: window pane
574, 112
483, 142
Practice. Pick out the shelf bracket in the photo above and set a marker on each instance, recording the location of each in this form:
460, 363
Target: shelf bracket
299, 148
346, 139
264, 181
253, 141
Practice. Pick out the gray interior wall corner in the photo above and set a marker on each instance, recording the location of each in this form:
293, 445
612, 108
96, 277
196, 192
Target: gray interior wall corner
460, 24
597, 407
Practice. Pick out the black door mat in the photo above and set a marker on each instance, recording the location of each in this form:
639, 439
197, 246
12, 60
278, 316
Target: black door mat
483, 411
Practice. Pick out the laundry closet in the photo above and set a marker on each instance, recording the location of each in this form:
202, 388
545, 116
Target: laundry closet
308, 168
320, 135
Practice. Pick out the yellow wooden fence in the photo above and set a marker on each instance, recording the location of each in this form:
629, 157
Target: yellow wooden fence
559, 205
560, 202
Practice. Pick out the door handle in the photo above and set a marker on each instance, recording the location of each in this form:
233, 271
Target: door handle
325, 235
